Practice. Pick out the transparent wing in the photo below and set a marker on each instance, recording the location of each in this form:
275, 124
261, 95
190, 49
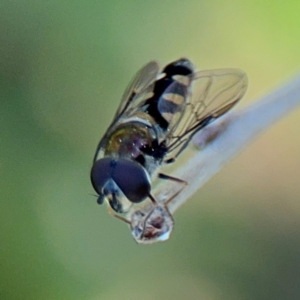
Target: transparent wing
136, 93
214, 92
141, 83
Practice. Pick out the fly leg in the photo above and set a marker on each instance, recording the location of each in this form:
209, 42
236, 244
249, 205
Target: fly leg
168, 177
112, 213
174, 195
152, 199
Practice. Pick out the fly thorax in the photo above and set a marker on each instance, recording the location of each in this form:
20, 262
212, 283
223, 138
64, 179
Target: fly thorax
130, 141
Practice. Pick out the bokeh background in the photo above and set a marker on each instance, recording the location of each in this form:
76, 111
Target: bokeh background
63, 68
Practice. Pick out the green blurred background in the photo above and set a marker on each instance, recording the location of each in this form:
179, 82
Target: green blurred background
63, 68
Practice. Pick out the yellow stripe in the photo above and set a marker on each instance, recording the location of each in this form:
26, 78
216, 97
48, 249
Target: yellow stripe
160, 76
167, 116
174, 98
149, 95
185, 80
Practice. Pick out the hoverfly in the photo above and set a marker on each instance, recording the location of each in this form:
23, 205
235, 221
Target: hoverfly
159, 114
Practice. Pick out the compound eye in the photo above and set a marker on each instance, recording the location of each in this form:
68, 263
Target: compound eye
100, 173
132, 179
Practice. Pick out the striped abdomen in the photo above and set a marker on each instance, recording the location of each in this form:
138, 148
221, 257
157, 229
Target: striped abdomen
168, 103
